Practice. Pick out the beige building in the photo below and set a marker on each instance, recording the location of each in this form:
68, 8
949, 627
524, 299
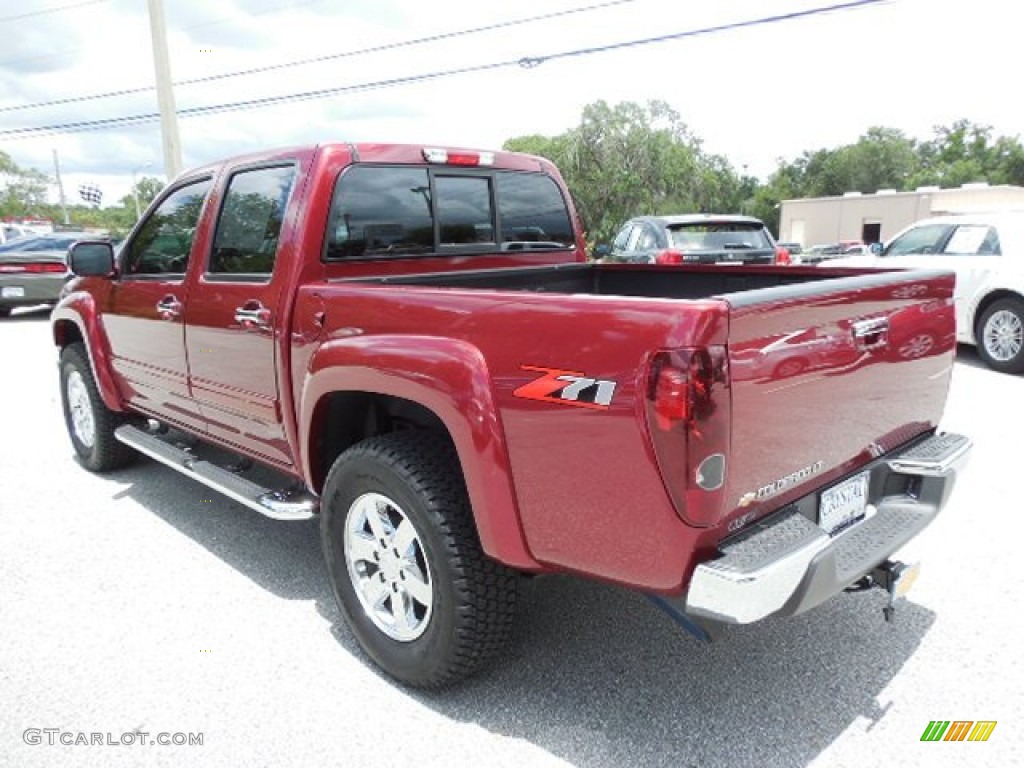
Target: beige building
879, 216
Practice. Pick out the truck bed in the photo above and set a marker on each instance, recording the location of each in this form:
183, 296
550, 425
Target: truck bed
689, 282
827, 369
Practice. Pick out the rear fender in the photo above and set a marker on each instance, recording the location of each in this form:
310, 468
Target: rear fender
77, 313
449, 378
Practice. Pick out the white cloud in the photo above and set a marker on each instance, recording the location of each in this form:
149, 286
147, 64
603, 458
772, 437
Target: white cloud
753, 95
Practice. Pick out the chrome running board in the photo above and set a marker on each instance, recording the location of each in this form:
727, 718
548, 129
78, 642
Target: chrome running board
276, 504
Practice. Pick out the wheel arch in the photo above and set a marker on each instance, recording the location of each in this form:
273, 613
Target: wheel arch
358, 388
987, 301
74, 320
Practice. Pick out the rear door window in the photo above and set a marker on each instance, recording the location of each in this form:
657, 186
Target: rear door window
250, 221
973, 240
621, 239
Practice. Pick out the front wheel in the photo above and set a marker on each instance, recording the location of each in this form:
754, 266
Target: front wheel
1000, 336
405, 563
89, 422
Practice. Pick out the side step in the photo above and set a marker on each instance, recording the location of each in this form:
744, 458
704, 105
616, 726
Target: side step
276, 504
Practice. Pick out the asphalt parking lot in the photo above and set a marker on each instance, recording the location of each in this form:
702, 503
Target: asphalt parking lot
139, 602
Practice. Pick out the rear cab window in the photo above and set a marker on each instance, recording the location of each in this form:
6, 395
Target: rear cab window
381, 211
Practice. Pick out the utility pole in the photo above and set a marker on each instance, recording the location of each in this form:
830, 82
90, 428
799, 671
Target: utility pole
165, 90
60, 188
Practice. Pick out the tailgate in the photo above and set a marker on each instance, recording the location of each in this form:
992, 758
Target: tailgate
825, 376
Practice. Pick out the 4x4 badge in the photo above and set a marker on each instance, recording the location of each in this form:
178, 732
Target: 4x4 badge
567, 388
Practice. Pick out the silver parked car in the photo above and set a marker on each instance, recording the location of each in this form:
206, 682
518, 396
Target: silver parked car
34, 269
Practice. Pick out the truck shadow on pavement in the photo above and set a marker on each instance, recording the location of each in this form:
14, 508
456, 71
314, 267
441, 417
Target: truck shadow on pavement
599, 676
596, 675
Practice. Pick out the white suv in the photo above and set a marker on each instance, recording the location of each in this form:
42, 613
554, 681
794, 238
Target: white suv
986, 251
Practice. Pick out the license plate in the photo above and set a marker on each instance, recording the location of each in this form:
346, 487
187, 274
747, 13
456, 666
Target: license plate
843, 503
12, 291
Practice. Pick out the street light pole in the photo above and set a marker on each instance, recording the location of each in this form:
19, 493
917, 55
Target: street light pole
135, 190
60, 188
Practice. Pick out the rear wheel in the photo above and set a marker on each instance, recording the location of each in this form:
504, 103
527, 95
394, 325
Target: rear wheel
405, 562
1000, 335
5, 312
89, 422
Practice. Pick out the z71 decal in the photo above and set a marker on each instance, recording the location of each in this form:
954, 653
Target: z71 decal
567, 388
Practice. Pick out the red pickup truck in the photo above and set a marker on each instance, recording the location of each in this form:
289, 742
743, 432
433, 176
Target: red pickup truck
408, 342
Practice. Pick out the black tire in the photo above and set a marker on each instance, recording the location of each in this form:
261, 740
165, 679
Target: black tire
473, 597
105, 452
5, 312
1015, 309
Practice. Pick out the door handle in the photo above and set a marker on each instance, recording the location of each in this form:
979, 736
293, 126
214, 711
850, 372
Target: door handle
252, 314
169, 308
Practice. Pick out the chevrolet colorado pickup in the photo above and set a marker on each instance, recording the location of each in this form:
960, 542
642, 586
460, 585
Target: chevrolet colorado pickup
409, 343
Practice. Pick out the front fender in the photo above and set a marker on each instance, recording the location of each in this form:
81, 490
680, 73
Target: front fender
450, 378
78, 311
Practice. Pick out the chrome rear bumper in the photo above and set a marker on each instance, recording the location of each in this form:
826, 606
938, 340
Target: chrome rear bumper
788, 564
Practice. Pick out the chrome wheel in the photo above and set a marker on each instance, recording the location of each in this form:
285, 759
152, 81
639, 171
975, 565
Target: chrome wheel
82, 420
1003, 335
917, 346
388, 567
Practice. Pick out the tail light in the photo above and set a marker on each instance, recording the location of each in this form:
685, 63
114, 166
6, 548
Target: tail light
782, 256
668, 257
688, 416
45, 267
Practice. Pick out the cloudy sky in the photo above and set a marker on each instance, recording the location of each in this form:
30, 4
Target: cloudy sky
754, 94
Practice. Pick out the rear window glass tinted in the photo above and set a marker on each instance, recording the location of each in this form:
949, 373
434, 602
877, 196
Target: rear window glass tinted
464, 209
388, 211
532, 211
380, 212
719, 236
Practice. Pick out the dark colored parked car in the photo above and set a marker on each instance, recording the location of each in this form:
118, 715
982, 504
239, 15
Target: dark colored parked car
701, 238
34, 269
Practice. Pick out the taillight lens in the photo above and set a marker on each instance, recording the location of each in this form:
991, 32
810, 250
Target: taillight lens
782, 256
668, 257
688, 414
44, 267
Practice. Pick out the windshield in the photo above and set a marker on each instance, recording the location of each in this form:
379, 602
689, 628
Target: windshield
719, 236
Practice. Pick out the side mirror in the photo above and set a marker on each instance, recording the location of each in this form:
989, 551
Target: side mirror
602, 251
91, 258
876, 249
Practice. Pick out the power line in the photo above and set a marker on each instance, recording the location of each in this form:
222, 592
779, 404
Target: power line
215, 22
326, 57
525, 62
58, 9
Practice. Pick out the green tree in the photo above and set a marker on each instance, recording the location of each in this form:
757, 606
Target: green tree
965, 152
23, 191
145, 190
630, 159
